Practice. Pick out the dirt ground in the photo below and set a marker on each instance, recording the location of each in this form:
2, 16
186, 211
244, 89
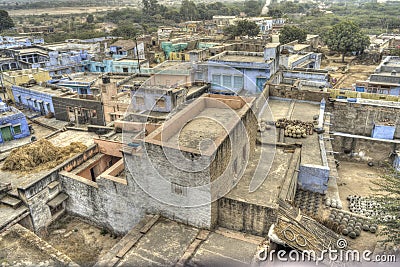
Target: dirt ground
82, 242
356, 179
346, 79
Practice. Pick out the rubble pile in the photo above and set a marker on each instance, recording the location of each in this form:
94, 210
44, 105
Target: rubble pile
40, 155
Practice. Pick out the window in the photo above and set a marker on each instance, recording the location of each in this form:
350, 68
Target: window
17, 129
124, 69
139, 100
237, 82
199, 76
161, 102
178, 189
227, 81
216, 79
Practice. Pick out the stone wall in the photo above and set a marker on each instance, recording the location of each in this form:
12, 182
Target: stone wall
358, 148
292, 93
359, 119
245, 217
168, 184
61, 111
107, 203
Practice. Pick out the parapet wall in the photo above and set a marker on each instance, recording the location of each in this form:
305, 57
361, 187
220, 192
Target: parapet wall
359, 119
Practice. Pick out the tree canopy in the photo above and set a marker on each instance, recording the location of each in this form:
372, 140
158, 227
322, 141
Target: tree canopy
243, 27
5, 21
345, 37
127, 31
90, 18
289, 33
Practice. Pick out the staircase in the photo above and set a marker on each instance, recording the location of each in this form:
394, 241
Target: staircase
12, 209
11, 201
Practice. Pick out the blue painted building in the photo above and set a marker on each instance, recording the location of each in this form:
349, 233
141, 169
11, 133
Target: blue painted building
385, 80
231, 72
117, 65
36, 98
13, 124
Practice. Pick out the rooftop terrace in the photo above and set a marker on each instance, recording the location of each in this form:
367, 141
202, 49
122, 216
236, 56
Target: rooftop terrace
208, 118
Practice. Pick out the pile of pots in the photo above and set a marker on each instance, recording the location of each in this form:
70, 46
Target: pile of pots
350, 225
366, 207
334, 203
308, 202
295, 128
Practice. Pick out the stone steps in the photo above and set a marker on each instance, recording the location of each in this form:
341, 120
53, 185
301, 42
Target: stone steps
11, 201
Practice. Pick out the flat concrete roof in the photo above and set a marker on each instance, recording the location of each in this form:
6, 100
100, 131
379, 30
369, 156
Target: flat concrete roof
242, 58
47, 90
16, 250
267, 194
203, 125
168, 242
8, 112
304, 111
21, 247
172, 65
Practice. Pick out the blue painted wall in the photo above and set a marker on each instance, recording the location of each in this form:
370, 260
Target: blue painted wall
383, 132
16, 118
229, 78
110, 66
21, 94
313, 178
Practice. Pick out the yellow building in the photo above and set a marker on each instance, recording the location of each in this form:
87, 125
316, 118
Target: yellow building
19, 77
182, 56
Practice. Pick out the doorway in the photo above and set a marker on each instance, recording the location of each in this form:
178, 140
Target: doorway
6, 133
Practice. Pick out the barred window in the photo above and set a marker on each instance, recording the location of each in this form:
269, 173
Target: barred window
178, 189
237, 82
227, 81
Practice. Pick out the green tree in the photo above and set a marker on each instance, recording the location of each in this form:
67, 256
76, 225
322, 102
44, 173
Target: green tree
150, 7
90, 18
127, 31
253, 8
188, 10
243, 27
346, 37
389, 200
275, 12
289, 33
5, 21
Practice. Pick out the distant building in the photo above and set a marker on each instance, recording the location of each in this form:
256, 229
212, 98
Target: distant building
13, 124
23, 77
231, 72
385, 80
